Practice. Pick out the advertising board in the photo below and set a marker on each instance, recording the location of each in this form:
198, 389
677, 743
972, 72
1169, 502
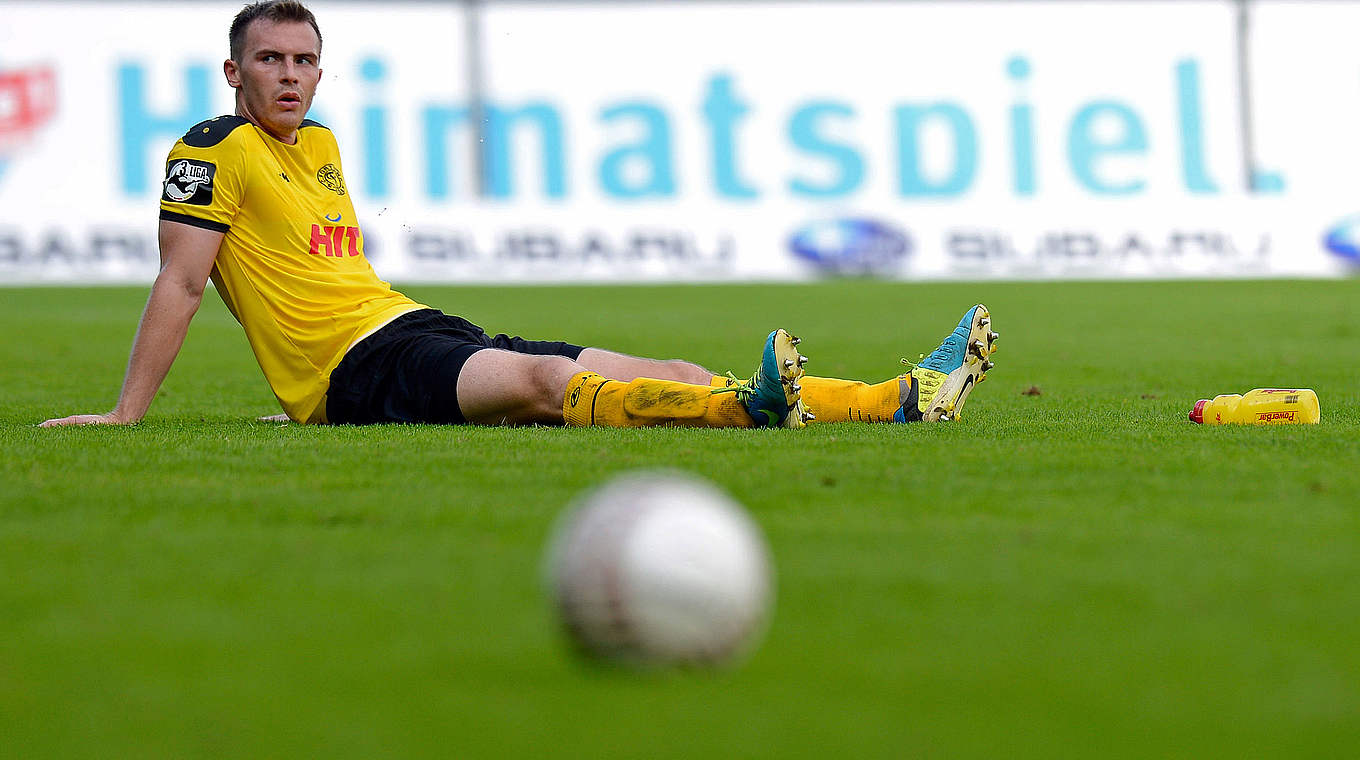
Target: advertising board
93, 95
1305, 101
698, 141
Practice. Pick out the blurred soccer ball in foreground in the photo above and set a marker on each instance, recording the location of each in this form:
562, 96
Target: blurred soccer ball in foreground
660, 568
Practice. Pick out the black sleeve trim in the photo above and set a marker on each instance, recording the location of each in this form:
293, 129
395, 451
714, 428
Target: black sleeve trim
193, 221
310, 123
206, 134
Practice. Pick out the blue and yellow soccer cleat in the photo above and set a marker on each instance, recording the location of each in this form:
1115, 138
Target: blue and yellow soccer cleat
942, 381
771, 396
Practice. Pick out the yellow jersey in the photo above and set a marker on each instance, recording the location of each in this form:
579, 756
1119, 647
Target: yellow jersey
291, 267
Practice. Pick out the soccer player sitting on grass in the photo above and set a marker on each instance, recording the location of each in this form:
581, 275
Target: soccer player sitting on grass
257, 202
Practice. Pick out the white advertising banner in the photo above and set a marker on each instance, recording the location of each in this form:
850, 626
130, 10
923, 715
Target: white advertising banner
1306, 104
912, 140
93, 95
690, 141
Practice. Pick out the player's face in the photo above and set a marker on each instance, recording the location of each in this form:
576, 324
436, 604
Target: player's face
276, 77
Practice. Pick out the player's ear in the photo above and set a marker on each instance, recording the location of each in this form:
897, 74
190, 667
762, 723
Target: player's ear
233, 73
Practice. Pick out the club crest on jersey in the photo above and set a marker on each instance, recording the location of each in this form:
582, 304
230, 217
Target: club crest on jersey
329, 176
189, 181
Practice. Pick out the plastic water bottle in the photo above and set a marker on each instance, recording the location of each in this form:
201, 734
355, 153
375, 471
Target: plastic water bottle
1263, 406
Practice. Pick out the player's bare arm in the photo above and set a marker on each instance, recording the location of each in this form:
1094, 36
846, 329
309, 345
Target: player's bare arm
187, 255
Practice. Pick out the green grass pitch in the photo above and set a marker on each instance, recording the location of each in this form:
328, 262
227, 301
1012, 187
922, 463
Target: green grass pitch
1079, 573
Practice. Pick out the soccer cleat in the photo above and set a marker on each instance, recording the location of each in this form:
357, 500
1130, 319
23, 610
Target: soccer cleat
942, 381
771, 396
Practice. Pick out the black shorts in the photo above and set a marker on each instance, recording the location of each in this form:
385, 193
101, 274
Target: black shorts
408, 370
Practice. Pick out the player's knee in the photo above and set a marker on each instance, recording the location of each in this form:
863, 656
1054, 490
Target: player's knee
688, 372
548, 384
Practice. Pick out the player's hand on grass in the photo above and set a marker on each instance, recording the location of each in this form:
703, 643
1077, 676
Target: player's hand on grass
108, 418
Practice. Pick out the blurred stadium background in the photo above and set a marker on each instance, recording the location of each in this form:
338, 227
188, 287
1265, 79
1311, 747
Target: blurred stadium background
1073, 570
711, 141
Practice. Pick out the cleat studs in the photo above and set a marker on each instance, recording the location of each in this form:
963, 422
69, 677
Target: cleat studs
795, 340
795, 387
986, 365
809, 416
788, 364
977, 347
802, 360
985, 321
991, 336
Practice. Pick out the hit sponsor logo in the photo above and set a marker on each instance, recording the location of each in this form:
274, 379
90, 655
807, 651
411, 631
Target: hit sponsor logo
334, 240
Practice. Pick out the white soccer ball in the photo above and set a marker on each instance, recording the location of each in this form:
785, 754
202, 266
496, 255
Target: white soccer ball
660, 568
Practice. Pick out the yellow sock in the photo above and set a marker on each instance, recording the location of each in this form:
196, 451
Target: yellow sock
834, 400
592, 399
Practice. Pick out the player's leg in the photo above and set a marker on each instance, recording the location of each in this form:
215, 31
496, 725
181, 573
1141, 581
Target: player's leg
769, 398
935, 389
944, 379
825, 399
498, 387
430, 367
610, 364
835, 400
831, 399
509, 387
618, 366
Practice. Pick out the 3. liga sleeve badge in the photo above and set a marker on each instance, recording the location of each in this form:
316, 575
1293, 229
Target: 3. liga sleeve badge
189, 182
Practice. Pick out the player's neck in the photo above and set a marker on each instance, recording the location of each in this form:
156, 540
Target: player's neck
244, 112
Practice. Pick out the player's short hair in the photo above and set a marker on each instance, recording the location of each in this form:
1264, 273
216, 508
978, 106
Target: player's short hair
269, 10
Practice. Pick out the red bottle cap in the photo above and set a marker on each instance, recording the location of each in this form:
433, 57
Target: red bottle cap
1197, 414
